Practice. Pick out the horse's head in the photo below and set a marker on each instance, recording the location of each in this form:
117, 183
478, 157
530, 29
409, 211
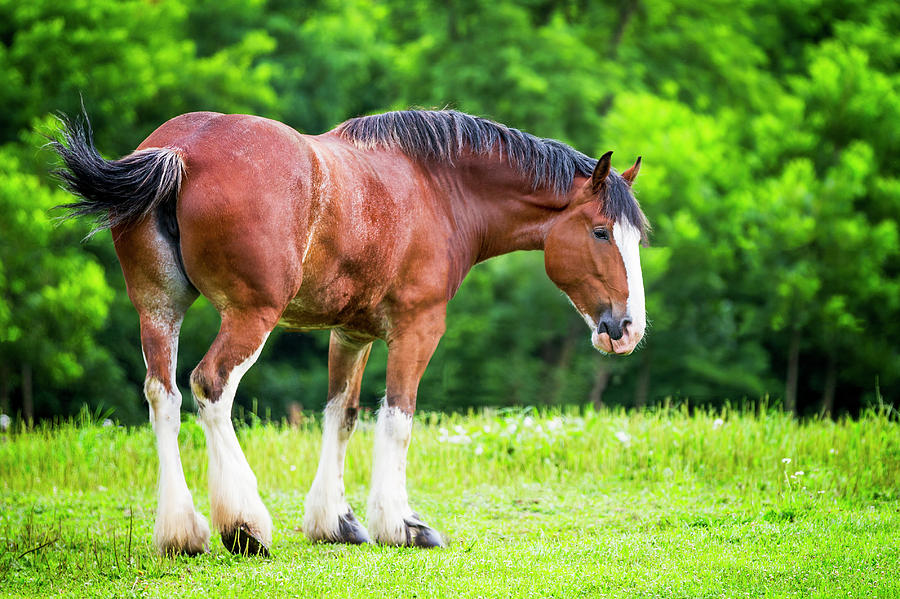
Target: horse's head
591, 253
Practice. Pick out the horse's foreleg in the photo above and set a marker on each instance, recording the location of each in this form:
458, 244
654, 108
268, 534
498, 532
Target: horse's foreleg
391, 520
179, 527
327, 516
237, 511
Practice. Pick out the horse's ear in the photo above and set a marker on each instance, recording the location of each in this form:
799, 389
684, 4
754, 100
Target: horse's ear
601, 171
631, 174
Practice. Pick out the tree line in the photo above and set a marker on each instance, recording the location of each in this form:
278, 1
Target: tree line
768, 131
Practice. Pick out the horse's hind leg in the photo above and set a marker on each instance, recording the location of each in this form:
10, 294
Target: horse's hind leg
162, 294
327, 516
179, 527
237, 511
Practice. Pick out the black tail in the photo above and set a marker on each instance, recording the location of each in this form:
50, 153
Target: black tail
117, 192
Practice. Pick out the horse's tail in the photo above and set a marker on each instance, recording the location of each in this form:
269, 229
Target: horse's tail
117, 192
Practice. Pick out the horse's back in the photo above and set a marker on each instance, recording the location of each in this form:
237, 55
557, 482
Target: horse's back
311, 225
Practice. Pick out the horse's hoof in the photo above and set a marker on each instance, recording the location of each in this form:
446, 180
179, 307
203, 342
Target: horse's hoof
241, 541
419, 534
181, 532
186, 550
351, 531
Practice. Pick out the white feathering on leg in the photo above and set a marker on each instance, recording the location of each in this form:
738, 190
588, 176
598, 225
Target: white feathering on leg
233, 493
325, 502
179, 527
388, 501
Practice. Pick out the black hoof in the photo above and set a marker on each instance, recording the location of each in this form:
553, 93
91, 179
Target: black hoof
242, 542
419, 534
351, 531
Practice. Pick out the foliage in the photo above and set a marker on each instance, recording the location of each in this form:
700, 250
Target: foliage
770, 174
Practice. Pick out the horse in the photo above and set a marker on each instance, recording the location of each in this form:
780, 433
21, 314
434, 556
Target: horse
367, 230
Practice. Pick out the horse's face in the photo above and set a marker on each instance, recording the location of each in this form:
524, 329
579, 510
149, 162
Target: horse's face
592, 255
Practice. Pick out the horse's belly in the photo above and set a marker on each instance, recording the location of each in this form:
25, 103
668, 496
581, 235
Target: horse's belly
333, 306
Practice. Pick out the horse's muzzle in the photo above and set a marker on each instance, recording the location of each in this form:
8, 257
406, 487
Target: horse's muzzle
627, 339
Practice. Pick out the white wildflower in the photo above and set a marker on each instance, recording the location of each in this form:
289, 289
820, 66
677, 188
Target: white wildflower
624, 437
798, 473
528, 422
486, 428
107, 422
293, 467
459, 430
479, 450
785, 460
5, 421
443, 432
717, 423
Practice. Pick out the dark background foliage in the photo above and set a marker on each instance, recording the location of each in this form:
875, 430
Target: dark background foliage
768, 131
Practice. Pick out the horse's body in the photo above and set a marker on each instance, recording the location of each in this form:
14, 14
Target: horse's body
367, 230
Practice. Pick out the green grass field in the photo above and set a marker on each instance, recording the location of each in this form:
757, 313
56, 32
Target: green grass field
558, 504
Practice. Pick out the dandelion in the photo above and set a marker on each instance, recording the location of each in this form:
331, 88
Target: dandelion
5, 421
528, 422
798, 473
479, 450
623, 437
107, 422
486, 428
293, 468
717, 423
785, 461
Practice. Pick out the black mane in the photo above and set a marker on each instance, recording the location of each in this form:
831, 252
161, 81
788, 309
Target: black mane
443, 135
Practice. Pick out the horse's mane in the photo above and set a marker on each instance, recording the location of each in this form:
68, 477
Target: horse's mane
444, 135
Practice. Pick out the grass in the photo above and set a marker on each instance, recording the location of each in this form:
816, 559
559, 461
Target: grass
662, 503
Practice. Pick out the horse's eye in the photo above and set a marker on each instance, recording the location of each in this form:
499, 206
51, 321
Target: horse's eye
601, 233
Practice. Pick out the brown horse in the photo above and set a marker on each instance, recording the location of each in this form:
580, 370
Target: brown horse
367, 230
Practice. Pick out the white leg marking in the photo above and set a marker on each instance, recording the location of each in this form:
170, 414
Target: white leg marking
628, 239
179, 527
388, 502
325, 502
233, 491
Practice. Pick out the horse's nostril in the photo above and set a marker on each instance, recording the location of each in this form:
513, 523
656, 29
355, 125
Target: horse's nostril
625, 322
602, 328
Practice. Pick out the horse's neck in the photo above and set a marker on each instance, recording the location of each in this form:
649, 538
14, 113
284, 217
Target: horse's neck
511, 215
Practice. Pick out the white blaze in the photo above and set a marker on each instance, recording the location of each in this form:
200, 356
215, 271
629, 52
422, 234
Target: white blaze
628, 240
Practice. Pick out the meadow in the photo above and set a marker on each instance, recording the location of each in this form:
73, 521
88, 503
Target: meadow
669, 502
